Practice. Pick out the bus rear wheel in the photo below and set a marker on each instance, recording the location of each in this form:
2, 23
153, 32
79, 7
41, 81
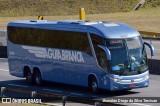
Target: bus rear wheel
29, 77
93, 85
38, 78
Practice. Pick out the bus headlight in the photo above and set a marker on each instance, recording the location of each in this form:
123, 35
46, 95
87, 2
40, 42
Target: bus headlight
116, 80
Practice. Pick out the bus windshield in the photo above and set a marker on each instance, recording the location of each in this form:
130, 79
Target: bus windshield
128, 56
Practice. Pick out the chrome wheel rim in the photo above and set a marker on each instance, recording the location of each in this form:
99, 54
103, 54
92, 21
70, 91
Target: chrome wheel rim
94, 86
29, 76
38, 79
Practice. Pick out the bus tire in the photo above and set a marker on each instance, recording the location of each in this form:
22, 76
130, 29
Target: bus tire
29, 76
38, 78
93, 85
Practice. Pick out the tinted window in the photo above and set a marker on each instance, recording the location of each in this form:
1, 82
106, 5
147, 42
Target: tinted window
100, 54
49, 38
96, 39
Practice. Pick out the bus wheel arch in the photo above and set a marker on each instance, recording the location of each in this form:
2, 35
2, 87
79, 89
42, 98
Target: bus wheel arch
93, 83
37, 76
29, 76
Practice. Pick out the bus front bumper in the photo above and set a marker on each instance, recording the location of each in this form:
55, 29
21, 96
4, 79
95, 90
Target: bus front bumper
120, 84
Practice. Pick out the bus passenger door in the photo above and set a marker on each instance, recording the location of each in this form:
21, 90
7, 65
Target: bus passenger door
103, 56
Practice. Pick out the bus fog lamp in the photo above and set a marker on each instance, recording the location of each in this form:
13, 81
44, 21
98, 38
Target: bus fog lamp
146, 84
115, 86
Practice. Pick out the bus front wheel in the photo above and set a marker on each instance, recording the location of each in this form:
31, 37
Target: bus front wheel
38, 78
93, 85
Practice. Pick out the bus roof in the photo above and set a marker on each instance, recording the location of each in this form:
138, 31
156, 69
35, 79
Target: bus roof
112, 30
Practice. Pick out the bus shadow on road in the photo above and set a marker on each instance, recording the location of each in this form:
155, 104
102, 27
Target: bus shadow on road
64, 89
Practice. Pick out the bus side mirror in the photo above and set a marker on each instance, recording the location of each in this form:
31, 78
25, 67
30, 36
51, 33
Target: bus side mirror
151, 48
107, 51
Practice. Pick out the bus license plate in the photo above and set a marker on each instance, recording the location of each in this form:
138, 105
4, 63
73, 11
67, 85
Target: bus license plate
132, 85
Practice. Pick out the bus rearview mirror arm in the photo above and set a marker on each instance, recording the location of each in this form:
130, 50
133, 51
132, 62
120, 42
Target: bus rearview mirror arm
151, 48
107, 51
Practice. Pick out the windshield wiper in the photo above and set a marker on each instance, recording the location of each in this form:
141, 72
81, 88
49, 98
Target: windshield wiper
139, 72
122, 70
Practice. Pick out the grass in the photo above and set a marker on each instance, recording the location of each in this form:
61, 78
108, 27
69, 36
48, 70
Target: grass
14, 8
62, 7
144, 19
147, 19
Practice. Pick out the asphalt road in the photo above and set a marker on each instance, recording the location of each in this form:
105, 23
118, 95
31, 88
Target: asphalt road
11, 81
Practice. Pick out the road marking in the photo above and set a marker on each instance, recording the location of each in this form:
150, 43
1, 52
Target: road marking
18, 85
75, 94
51, 90
4, 70
140, 104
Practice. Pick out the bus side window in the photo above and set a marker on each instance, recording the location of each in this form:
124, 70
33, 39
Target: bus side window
100, 53
58, 39
101, 58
